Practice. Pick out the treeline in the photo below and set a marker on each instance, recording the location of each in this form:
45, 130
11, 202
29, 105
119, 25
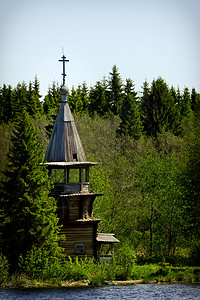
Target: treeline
148, 144
159, 107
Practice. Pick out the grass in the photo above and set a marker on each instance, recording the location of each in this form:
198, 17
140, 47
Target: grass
89, 273
39, 271
168, 274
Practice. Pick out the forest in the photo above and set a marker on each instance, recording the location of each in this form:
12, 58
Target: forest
148, 146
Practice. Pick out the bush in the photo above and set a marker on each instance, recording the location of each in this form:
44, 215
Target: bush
75, 269
4, 269
125, 259
175, 260
39, 265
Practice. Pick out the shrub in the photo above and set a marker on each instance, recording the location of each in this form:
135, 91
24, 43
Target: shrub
4, 269
75, 269
39, 265
125, 258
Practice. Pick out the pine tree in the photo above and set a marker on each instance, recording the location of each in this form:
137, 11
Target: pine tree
33, 102
78, 101
159, 109
115, 86
20, 101
84, 97
195, 102
144, 103
177, 99
27, 215
6, 98
99, 101
131, 124
185, 104
52, 99
75, 99
72, 99
129, 87
47, 104
37, 96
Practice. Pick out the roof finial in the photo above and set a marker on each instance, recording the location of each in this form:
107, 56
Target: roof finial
63, 73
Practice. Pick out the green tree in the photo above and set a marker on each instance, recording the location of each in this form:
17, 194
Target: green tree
158, 109
6, 99
84, 97
98, 98
185, 104
195, 102
115, 88
27, 212
144, 102
191, 193
75, 100
34, 105
19, 101
13, 101
131, 124
129, 87
160, 199
52, 99
72, 99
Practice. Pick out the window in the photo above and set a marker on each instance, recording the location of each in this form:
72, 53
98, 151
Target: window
75, 156
79, 248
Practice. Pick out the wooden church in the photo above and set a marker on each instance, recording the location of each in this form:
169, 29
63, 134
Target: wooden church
74, 199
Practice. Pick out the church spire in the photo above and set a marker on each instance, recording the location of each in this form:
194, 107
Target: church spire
65, 144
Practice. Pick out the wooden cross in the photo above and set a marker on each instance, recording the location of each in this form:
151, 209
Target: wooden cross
63, 73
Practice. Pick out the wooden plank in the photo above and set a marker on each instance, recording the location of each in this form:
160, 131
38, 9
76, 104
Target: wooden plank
79, 234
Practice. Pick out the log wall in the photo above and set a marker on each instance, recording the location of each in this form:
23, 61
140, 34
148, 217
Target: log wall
75, 207
81, 232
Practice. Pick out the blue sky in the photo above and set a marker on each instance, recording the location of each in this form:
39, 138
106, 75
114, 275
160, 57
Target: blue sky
144, 38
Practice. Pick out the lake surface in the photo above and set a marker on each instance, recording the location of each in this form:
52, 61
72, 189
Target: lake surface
138, 291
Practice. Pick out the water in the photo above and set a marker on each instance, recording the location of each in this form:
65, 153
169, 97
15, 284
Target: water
139, 291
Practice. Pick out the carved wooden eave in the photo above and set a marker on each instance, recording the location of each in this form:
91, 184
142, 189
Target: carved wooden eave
69, 165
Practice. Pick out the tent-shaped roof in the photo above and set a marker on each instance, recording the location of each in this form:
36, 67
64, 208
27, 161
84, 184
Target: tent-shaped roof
65, 144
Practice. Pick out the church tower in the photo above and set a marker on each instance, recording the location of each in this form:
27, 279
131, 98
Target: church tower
65, 155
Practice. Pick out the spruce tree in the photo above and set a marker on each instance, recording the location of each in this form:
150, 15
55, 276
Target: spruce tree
33, 102
34, 94
195, 102
84, 97
72, 99
47, 103
20, 101
99, 101
115, 86
129, 87
131, 124
80, 98
6, 98
52, 99
185, 104
27, 214
159, 109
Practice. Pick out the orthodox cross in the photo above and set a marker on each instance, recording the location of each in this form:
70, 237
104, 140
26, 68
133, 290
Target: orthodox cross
63, 73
